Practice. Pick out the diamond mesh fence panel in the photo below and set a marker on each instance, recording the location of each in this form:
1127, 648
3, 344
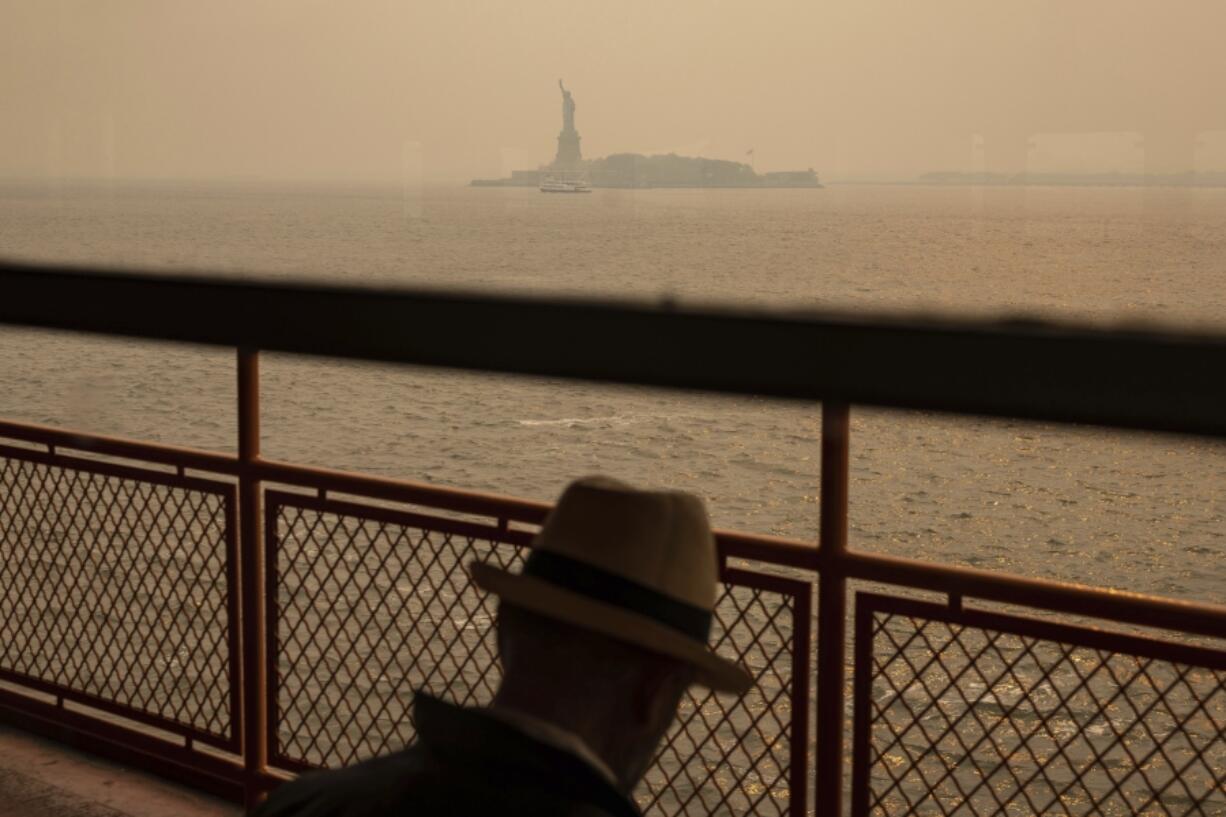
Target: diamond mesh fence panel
969, 719
733, 756
370, 610
114, 584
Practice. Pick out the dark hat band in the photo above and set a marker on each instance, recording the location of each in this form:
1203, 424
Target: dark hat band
618, 591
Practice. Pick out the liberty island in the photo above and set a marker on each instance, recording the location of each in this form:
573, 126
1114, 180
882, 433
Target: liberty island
637, 170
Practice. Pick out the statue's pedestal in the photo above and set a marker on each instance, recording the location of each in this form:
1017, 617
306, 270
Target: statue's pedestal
568, 150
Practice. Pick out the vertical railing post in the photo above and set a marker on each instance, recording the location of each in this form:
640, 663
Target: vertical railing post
832, 609
254, 673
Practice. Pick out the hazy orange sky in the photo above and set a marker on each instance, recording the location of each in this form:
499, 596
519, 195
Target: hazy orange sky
363, 89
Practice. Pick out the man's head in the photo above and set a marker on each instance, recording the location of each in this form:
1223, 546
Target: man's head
609, 619
620, 699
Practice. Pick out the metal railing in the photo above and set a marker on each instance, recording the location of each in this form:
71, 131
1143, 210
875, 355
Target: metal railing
223, 619
363, 599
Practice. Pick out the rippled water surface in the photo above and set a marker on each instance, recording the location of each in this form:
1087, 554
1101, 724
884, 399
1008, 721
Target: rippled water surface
1135, 511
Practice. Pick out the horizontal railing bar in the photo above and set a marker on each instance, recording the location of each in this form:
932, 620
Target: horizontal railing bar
774, 550
179, 728
218, 775
112, 469
1045, 630
461, 501
777, 550
1124, 377
1065, 597
275, 500
413, 493
765, 581
123, 447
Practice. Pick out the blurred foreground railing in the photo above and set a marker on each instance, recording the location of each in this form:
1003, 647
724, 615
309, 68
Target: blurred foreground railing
229, 619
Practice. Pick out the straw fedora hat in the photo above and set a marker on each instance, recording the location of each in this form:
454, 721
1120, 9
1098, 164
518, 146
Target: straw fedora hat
639, 566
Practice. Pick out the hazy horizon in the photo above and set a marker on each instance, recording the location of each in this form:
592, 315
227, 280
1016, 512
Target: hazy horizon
388, 92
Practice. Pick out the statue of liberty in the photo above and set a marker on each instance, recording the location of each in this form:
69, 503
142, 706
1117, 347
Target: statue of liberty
568, 140
568, 109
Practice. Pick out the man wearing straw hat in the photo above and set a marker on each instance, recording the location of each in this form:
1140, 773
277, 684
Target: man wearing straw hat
598, 636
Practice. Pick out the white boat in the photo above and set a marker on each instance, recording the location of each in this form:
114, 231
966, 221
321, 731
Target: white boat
565, 183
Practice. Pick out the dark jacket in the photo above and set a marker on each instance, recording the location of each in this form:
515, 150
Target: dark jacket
463, 763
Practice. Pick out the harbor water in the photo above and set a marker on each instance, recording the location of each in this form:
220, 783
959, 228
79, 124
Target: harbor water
1143, 512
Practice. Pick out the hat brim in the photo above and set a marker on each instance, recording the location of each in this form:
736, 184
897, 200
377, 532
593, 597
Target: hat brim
548, 599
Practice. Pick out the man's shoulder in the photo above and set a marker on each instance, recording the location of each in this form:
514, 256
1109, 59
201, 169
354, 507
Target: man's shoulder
372, 787
415, 784
464, 763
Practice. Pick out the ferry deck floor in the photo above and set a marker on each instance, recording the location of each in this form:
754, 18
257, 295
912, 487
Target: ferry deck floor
41, 778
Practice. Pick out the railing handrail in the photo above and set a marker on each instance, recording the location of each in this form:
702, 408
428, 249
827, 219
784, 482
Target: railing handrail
315, 477
1104, 604
1127, 377
121, 447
